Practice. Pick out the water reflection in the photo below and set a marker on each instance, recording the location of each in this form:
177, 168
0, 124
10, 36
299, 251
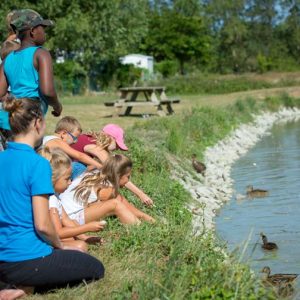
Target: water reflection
274, 165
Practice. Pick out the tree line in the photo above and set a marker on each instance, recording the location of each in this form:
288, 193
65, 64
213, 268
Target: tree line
221, 36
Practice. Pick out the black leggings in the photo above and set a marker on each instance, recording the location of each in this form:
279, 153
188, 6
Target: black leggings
60, 269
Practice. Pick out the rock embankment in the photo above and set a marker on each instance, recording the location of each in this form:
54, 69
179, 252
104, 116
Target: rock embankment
210, 192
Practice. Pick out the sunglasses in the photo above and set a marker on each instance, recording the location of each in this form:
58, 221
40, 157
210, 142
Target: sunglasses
74, 138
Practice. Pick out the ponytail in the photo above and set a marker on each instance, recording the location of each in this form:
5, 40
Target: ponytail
21, 113
113, 169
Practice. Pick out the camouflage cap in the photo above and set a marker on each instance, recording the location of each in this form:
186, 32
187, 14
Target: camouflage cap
24, 19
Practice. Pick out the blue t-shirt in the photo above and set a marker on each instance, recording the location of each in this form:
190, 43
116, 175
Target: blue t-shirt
26, 174
4, 118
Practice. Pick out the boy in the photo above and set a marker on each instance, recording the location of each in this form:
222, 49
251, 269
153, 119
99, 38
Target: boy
8, 46
28, 71
66, 133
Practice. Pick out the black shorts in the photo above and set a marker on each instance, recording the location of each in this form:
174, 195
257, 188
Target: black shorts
60, 269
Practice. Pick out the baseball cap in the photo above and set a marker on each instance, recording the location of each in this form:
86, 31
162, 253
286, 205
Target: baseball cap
24, 19
117, 133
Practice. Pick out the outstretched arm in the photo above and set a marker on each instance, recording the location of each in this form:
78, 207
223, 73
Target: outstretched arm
74, 154
96, 151
71, 230
139, 193
44, 66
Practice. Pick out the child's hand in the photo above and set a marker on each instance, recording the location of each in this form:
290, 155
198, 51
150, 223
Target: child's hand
147, 200
96, 226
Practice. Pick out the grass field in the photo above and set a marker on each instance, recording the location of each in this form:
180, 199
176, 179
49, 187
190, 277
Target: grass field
165, 260
92, 113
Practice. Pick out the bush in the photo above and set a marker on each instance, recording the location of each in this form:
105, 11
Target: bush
264, 64
70, 77
167, 68
127, 75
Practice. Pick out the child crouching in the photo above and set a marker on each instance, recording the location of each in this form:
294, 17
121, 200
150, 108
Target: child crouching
95, 195
69, 231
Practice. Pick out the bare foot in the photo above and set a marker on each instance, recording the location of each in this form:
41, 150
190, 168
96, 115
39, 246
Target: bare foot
11, 294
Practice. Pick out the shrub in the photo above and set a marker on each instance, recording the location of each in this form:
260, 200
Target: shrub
167, 68
70, 77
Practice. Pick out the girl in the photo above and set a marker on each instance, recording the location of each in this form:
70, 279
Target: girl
32, 254
101, 144
66, 228
95, 195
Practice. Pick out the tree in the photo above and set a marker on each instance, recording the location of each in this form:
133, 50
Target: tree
230, 30
177, 32
290, 31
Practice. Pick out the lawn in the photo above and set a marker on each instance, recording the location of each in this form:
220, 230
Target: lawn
166, 260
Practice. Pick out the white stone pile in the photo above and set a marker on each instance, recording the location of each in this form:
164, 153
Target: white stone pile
211, 191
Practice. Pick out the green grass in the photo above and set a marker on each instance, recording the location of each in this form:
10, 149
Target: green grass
165, 260
199, 83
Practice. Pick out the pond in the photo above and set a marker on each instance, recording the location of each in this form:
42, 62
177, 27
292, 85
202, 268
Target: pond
273, 164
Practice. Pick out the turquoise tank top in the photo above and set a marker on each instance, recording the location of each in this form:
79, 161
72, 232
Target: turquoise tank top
23, 79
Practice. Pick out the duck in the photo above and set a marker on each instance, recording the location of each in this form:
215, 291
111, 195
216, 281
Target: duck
256, 193
267, 245
277, 279
198, 166
285, 290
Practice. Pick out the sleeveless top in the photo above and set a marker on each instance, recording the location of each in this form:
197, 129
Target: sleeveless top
70, 204
49, 138
22, 76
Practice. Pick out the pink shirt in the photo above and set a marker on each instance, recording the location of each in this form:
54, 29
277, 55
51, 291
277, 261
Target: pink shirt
83, 140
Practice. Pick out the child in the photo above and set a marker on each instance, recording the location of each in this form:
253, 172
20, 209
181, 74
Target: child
8, 46
101, 144
66, 133
32, 254
28, 71
96, 195
66, 228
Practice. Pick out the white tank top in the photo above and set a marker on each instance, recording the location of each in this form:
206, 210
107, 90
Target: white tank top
70, 204
48, 138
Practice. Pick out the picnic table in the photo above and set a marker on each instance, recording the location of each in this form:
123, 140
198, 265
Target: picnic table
154, 96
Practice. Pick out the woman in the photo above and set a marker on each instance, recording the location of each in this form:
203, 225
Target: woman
31, 254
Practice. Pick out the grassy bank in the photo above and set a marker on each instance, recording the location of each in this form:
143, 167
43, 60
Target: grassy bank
165, 260
200, 83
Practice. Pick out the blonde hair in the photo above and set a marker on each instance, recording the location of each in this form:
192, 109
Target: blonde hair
60, 162
113, 169
68, 124
101, 139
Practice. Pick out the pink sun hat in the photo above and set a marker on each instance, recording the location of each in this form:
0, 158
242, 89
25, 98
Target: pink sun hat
117, 133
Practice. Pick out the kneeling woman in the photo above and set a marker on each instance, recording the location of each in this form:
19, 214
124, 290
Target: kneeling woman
31, 254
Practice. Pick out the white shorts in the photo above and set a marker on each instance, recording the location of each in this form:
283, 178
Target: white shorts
78, 216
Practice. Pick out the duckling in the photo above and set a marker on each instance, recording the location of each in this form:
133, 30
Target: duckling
267, 245
256, 193
198, 166
277, 279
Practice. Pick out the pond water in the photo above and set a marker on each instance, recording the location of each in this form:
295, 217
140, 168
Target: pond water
273, 164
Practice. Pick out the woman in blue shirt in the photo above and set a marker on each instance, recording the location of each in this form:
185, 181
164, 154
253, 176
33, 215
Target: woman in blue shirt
31, 254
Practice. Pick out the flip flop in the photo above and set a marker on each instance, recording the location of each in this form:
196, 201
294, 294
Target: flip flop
94, 240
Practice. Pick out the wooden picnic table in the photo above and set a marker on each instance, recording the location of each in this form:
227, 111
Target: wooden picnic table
154, 96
